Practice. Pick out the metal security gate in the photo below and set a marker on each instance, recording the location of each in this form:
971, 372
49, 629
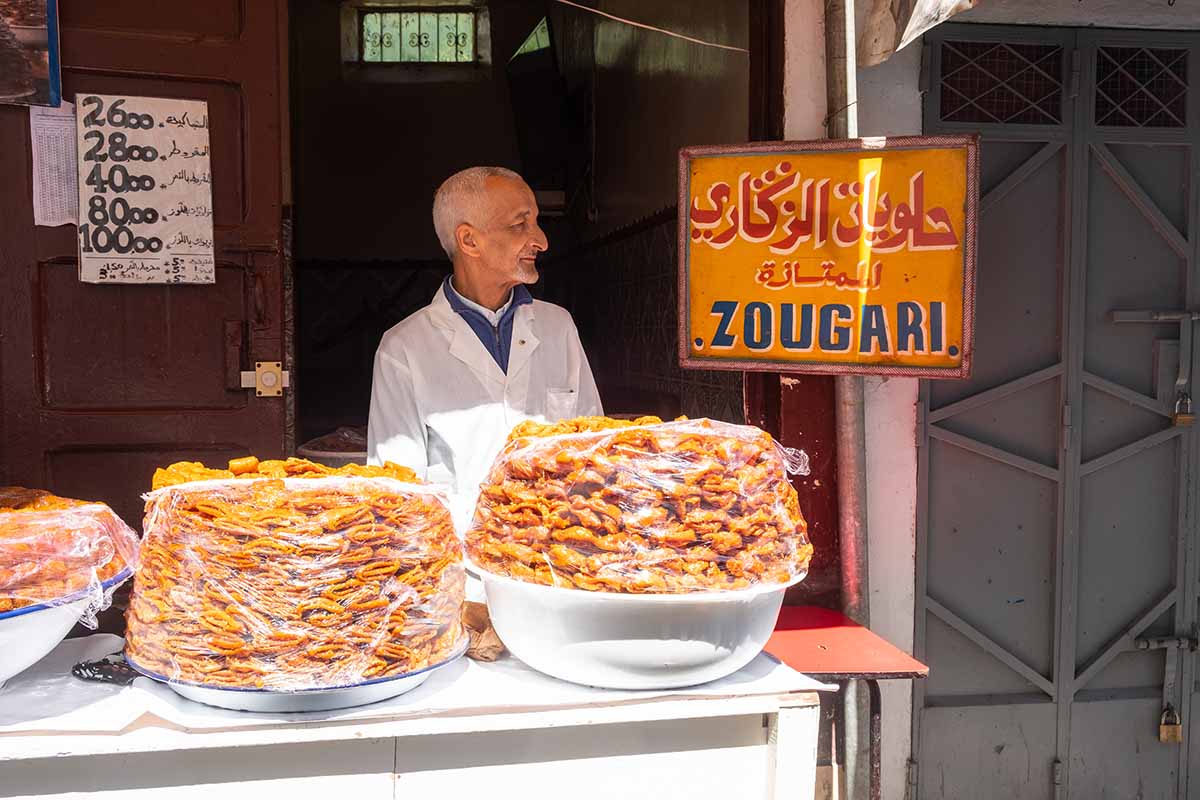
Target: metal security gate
1056, 564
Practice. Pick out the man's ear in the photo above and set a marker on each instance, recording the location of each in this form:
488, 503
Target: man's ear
465, 235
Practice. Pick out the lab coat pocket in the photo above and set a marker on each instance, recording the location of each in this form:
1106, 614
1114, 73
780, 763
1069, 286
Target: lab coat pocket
560, 404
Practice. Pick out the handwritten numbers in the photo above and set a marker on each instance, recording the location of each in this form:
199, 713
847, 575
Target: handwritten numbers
94, 154
115, 117
145, 190
93, 119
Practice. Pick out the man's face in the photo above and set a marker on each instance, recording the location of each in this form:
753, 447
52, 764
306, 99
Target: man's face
511, 239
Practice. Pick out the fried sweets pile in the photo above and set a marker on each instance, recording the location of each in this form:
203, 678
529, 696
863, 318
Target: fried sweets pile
251, 467
288, 584
640, 507
52, 548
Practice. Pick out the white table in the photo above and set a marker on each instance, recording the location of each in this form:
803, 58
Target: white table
665, 747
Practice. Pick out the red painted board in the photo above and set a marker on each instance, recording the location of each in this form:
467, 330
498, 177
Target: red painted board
828, 645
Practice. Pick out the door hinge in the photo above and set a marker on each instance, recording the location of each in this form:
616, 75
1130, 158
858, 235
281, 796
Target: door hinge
912, 778
1059, 776
922, 433
1074, 74
1066, 426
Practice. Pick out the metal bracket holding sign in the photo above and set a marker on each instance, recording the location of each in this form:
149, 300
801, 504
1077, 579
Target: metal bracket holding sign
833, 256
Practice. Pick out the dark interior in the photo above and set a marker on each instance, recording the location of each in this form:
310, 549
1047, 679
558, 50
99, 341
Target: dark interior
592, 114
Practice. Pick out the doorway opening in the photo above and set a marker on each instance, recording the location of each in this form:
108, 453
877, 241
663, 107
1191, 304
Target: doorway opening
590, 103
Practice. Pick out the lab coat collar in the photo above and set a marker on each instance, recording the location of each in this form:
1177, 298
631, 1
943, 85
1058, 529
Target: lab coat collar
466, 347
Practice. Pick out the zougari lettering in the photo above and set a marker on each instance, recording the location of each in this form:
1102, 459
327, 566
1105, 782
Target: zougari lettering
908, 327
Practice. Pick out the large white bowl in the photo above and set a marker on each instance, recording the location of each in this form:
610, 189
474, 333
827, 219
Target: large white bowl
632, 641
26, 638
28, 634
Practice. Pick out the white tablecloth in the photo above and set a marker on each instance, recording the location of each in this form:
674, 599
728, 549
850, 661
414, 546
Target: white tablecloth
46, 698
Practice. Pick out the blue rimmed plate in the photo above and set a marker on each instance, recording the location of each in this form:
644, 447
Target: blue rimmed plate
325, 698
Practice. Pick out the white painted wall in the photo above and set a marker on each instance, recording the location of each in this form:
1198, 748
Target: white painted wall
804, 69
888, 103
891, 419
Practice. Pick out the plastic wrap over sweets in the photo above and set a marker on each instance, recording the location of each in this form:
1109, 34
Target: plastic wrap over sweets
287, 584
249, 467
55, 551
644, 506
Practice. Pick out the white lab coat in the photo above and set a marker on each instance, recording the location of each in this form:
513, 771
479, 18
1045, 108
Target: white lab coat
441, 405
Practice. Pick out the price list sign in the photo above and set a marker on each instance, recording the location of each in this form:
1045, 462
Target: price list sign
145, 190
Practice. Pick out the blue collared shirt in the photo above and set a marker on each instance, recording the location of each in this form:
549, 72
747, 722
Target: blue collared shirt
497, 339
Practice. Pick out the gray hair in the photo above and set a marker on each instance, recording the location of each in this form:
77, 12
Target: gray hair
458, 200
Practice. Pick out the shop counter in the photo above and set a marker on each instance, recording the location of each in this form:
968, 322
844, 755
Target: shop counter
472, 730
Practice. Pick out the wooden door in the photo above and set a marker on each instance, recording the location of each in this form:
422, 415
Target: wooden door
102, 383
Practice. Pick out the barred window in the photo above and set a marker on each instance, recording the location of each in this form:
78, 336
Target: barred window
1002, 82
1141, 87
418, 36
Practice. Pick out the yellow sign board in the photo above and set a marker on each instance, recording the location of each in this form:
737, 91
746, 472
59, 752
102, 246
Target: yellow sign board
853, 256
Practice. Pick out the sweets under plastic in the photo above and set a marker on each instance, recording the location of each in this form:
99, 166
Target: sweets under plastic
287, 584
641, 507
250, 467
55, 550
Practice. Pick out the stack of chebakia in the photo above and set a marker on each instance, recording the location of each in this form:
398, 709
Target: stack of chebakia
55, 550
288, 575
646, 507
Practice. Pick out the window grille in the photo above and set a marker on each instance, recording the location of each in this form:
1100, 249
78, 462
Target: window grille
1141, 87
418, 37
998, 82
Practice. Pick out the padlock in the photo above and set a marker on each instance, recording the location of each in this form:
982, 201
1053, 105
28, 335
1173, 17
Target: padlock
1183, 410
1170, 727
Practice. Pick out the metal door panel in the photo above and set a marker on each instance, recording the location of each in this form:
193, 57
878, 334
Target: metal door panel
1072, 413
1121, 758
1162, 172
1132, 267
1025, 424
1127, 524
1131, 675
1111, 422
991, 555
1016, 331
986, 676
988, 753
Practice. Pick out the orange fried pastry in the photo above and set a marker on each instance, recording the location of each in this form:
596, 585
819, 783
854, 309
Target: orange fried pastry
294, 583
54, 547
251, 467
643, 507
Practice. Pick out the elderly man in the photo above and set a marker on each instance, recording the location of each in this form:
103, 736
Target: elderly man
453, 379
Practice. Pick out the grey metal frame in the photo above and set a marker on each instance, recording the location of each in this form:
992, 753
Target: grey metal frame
1084, 142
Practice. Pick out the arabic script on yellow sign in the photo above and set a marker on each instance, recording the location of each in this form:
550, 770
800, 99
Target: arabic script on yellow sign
853, 260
